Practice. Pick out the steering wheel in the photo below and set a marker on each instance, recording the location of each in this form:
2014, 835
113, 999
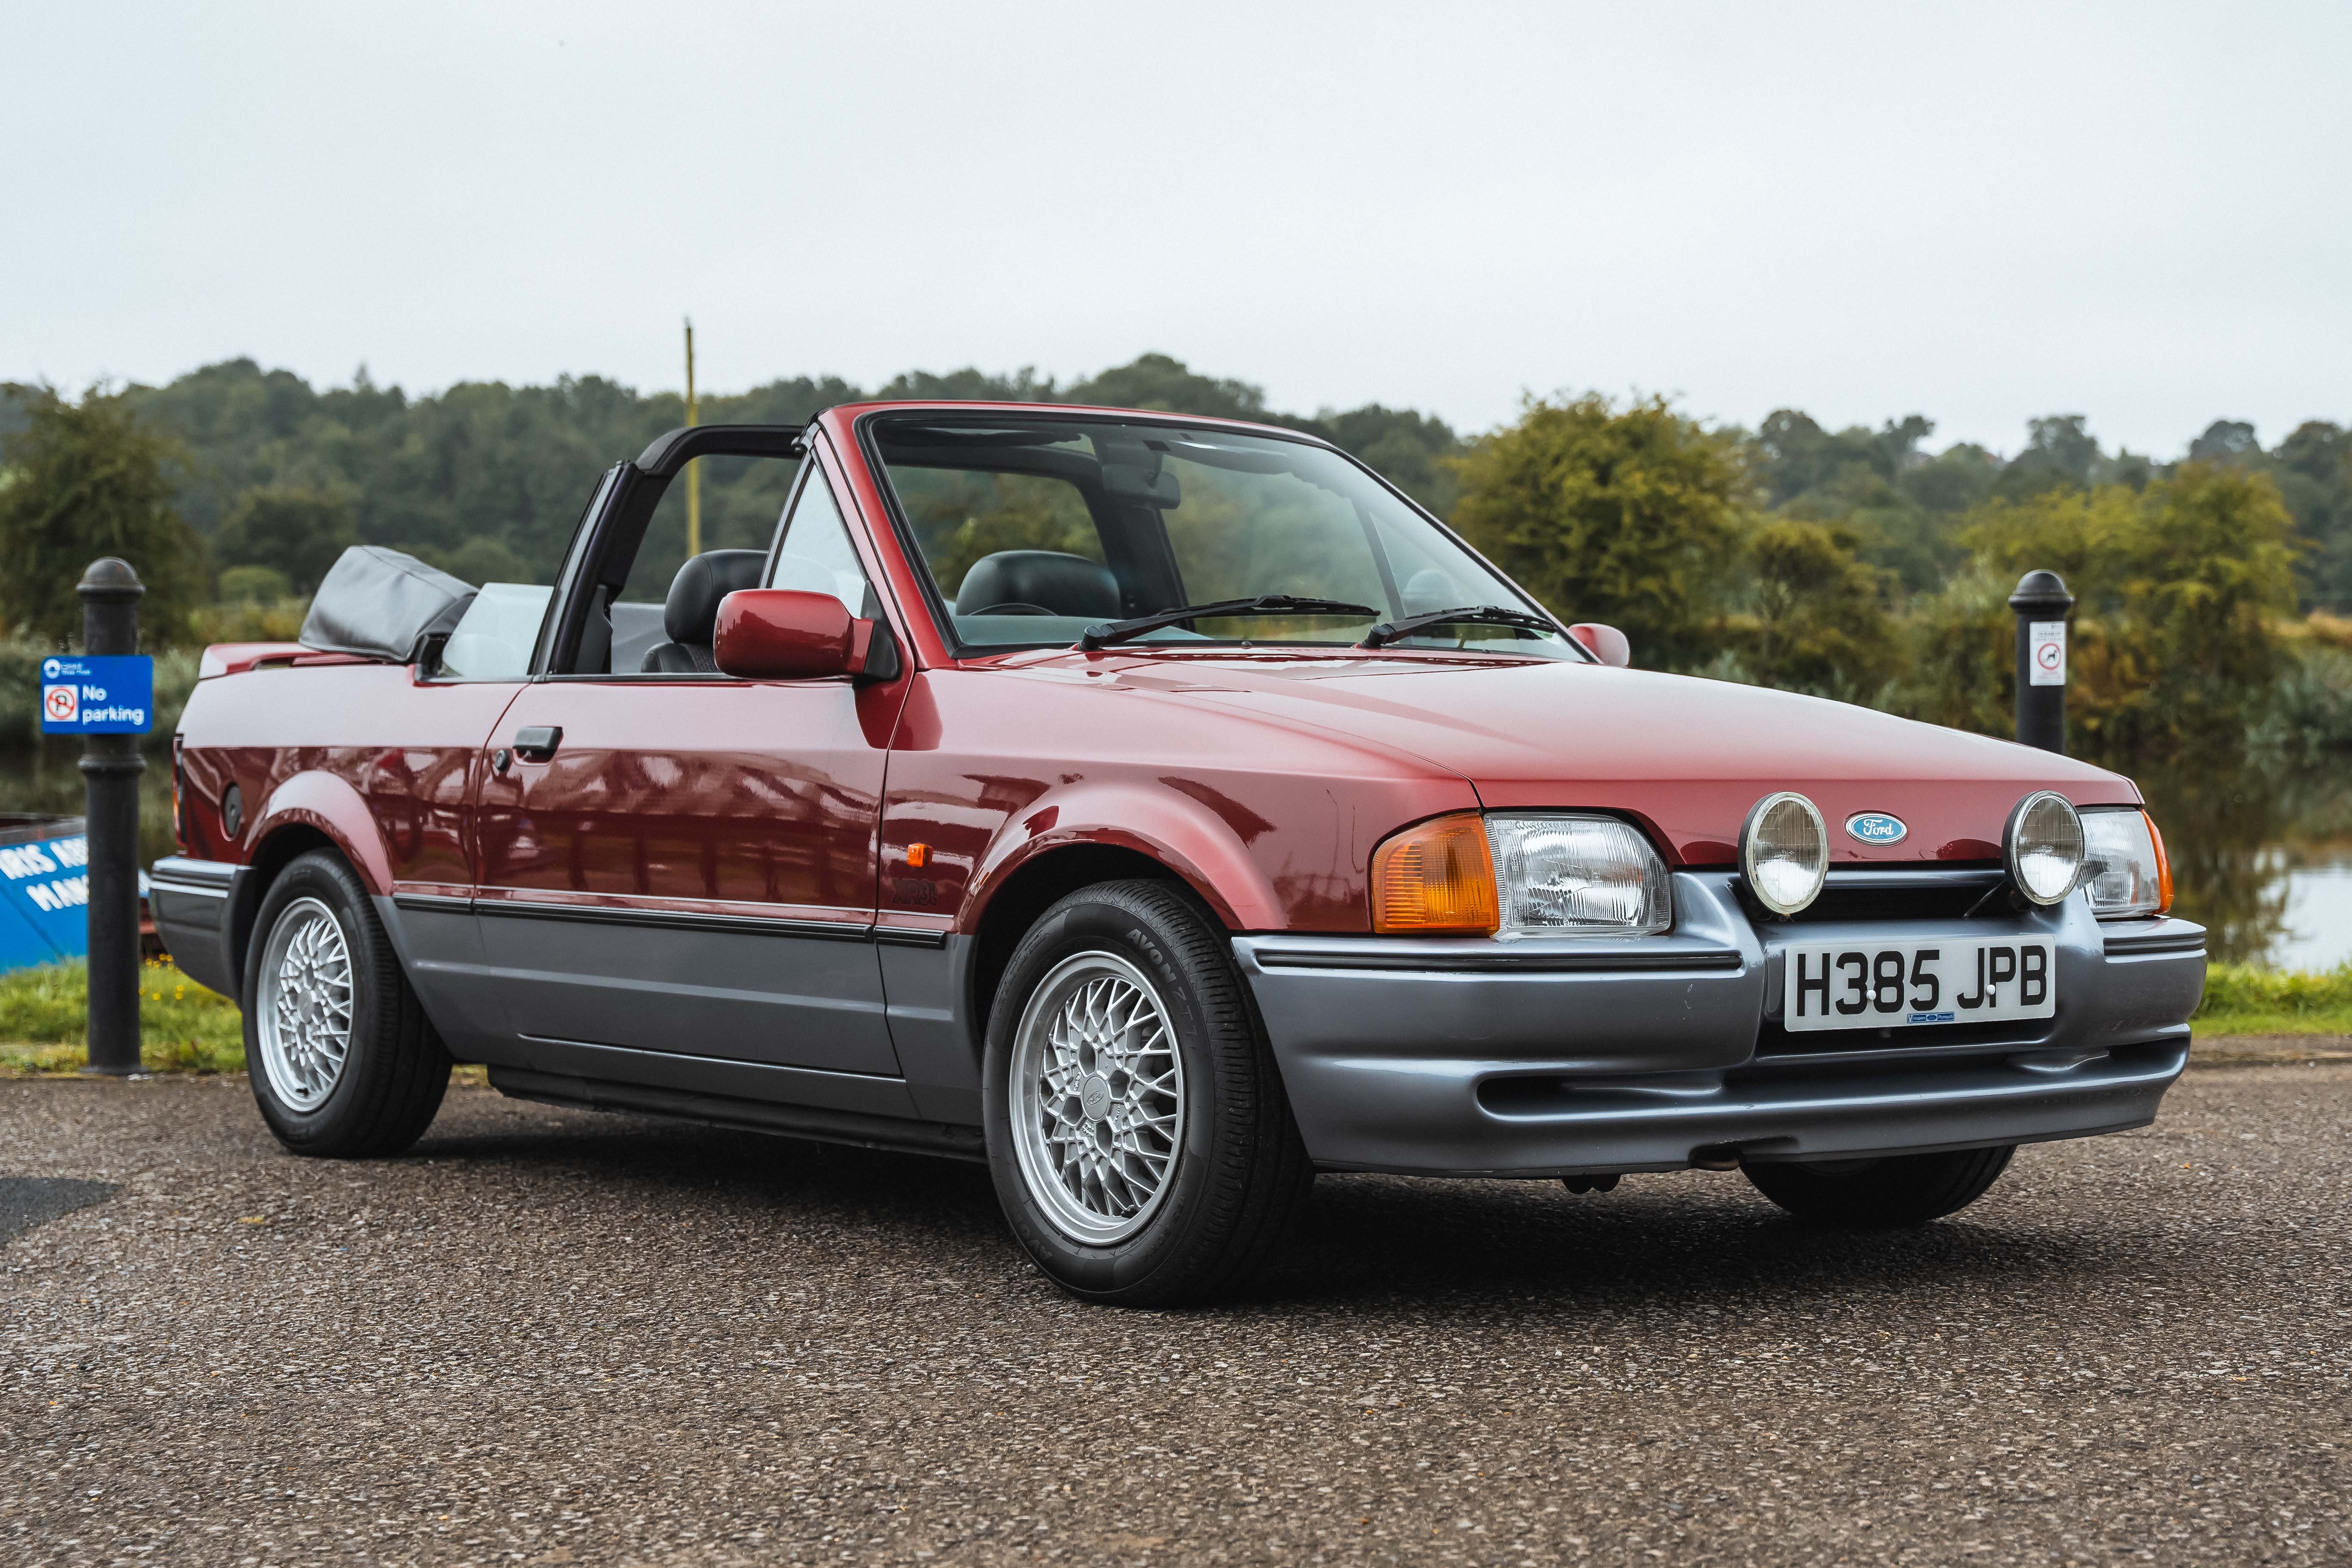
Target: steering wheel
1011, 607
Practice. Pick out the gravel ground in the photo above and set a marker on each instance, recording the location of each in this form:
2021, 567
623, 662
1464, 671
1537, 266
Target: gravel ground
553, 1337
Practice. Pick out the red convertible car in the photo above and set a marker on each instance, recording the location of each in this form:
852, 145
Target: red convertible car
1160, 810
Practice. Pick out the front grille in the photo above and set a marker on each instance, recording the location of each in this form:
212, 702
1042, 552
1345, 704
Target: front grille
1894, 896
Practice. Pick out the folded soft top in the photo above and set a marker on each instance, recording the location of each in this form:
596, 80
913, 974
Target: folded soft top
380, 603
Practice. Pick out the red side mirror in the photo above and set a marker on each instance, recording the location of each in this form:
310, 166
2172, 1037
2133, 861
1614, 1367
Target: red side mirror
1606, 644
786, 633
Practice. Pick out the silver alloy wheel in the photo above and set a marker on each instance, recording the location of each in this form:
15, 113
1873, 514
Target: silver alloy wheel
1098, 1097
303, 1014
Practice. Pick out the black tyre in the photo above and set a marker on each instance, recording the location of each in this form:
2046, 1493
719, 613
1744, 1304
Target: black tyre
1877, 1194
1141, 1145
342, 1061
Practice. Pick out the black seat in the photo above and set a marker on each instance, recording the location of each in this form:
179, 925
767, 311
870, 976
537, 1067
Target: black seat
690, 614
1030, 581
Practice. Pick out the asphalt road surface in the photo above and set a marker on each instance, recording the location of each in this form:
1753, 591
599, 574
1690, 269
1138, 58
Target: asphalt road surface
551, 1337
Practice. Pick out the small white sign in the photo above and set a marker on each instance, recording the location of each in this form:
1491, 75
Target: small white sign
2045, 647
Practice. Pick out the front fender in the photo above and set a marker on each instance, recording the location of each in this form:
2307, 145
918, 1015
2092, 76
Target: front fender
1174, 829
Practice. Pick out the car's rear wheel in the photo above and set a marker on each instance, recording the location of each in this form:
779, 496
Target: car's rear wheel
341, 1058
1138, 1136
1876, 1194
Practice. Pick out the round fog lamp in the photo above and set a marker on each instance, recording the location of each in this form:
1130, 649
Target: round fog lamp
1784, 851
2044, 846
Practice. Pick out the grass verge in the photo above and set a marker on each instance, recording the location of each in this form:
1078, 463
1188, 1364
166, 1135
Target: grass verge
44, 1022
2241, 999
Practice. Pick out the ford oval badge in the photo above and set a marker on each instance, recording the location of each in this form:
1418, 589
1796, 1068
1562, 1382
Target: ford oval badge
1876, 827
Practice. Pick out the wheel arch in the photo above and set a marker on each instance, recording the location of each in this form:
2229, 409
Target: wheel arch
310, 811
1035, 886
1102, 831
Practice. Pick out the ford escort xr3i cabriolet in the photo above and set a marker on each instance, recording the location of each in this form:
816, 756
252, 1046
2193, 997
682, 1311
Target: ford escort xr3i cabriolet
1161, 810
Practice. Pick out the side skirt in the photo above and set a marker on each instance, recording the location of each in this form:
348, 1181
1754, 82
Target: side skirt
860, 1129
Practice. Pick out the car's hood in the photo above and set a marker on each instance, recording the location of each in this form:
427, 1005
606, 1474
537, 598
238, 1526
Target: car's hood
1687, 755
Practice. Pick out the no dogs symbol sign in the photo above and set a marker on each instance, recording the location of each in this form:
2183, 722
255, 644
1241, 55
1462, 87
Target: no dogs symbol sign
2046, 650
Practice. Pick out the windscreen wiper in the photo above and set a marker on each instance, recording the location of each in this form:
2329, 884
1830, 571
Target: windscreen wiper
1105, 633
1467, 616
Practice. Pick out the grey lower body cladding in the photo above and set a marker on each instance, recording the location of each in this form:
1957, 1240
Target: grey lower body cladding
1446, 1057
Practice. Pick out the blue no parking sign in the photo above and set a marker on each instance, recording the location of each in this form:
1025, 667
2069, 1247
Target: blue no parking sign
108, 694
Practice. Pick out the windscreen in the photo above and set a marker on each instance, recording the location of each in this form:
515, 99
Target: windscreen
1034, 531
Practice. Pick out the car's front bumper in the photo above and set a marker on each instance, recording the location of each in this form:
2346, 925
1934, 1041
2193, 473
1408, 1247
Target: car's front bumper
1558, 1057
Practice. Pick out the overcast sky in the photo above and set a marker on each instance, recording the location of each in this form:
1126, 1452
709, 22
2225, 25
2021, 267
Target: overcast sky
1982, 213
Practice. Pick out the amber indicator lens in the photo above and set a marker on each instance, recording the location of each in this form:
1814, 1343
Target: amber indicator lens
2044, 846
1784, 852
918, 856
1437, 877
2121, 866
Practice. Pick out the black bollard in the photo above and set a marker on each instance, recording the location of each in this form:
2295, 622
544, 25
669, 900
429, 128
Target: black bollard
110, 766
2042, 603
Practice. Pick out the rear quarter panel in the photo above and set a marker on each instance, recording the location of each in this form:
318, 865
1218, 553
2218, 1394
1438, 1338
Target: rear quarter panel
379, 761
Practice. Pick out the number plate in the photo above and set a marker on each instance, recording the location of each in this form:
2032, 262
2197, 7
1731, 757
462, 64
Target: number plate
1897, 984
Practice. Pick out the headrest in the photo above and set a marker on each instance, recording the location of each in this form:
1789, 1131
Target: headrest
1065, 584
690, 614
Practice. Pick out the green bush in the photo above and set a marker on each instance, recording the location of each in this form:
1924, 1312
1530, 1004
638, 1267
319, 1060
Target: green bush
2241, 999
2309, 715
253, 585
45, 1021
277, 620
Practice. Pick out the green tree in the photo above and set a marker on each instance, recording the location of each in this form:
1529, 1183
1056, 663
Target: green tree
1629, 517
1820, 621
2313, 470
2178, 593
1161, 381
298, 531
84, 481
1407, 448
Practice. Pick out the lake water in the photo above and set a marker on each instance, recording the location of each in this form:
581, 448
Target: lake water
2261, 854
2318, 922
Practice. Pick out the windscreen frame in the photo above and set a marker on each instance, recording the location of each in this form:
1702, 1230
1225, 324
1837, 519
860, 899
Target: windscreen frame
863, 426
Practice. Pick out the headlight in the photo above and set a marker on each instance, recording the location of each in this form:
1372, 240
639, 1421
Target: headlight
1784, 852
2123, 864
1577, 875
2044, 846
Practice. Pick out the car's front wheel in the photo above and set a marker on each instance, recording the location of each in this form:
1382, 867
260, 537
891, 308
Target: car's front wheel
340, 1056
1874, 1195
1138, 1134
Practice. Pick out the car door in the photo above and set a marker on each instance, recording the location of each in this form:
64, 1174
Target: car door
420, 787
683, 862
